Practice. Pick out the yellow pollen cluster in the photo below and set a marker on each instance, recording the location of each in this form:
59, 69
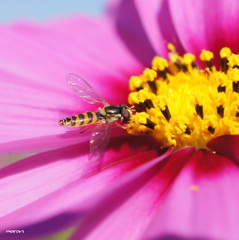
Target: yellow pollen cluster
182, 105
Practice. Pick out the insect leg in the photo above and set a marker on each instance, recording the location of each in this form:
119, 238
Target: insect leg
119, 125
86, 128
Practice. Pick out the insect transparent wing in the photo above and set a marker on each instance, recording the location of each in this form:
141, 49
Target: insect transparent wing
100, 139
98, 144
84, 90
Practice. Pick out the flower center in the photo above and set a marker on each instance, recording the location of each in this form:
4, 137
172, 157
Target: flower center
182, 105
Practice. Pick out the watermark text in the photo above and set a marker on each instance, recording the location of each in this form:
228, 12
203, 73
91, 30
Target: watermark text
14, 231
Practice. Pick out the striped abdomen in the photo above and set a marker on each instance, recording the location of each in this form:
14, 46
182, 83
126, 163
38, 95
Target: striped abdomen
81, 119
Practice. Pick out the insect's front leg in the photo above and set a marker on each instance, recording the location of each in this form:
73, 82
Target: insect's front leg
119, 125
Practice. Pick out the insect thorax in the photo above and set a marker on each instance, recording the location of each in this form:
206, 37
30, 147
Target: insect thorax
112, 110
111, 113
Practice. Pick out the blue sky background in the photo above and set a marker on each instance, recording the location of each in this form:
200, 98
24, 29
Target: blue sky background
40, 10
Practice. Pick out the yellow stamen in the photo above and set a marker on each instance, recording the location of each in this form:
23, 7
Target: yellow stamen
233, 60
182, 105
149, 74
206, 55
225, 52
159, 64
188, 59
135, 83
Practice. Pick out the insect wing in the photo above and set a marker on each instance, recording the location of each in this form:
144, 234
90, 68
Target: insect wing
84, 90
98, 144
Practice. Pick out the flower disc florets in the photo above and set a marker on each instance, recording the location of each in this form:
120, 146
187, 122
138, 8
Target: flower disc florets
183, 105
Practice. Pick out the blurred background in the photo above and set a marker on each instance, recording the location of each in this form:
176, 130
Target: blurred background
43, 10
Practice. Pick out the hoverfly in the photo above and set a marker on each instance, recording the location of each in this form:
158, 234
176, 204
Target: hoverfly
102, 120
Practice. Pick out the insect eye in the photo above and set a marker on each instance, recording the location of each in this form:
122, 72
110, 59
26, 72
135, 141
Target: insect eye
126, 115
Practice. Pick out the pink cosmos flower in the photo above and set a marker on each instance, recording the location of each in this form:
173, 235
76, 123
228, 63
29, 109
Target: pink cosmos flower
144, 191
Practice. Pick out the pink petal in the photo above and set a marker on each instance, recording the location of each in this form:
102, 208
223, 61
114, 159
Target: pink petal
34, 95
126, 209
206, 24
39, 144
227, 146
49, 187
202, 203
158, 25
127, 22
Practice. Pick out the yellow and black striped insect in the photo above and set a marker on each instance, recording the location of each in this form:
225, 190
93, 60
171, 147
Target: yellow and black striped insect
102, 120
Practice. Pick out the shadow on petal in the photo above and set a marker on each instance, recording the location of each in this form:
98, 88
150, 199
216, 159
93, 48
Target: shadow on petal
227, 146
175, 237
206, 163
129, 27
